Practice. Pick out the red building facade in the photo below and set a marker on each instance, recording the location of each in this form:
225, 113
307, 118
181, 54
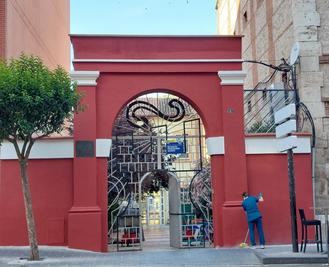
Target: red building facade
69, 189
36, 27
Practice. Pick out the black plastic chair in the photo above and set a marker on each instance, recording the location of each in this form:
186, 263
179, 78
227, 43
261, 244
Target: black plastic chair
318, 232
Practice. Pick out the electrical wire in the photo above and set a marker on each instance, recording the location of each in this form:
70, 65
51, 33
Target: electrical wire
265, 64
309, 116
268, 80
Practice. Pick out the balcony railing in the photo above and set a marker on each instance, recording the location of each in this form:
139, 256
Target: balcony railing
260, 106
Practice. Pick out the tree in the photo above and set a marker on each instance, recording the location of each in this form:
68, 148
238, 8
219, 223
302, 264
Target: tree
34, 102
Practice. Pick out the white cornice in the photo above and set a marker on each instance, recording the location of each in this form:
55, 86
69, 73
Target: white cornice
233, 77
85, 78
98, 60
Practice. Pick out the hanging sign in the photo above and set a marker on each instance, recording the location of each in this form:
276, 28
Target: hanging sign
285, 126
175, 147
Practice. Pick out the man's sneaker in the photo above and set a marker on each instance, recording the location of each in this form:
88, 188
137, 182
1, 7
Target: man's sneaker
262, 246
252, 247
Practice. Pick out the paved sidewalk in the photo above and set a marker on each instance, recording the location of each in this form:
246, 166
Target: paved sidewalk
282, 254
61, 256
207, 257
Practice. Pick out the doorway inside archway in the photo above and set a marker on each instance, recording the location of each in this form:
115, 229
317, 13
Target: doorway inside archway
156, 134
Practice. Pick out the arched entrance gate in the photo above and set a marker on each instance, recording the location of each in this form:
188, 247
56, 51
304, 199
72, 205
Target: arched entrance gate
69, 176
159, 175
111, 71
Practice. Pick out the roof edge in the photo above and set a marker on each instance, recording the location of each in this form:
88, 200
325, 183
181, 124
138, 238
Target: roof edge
154, 36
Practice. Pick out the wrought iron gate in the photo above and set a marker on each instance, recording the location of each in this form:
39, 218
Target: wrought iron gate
158, 132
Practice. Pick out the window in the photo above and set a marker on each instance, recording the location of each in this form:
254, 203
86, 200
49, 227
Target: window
326, 108
249, 106
245, 16
245, 19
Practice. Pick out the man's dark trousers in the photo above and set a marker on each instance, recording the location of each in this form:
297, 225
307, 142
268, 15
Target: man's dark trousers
258, 223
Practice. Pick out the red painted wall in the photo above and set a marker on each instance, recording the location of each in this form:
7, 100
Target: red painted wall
70, 196
198, 83
51, 183
156, 47
51, 189
124, 87
269, 174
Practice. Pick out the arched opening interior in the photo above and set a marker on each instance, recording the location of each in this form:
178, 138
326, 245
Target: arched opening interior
159, 138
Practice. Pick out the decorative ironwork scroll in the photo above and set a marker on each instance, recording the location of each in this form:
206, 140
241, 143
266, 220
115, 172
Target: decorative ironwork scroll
136, 116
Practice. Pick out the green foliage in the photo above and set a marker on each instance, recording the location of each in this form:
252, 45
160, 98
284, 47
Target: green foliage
34, 101
156, 180
262, 127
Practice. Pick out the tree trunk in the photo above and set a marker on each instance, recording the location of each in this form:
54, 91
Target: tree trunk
29, 212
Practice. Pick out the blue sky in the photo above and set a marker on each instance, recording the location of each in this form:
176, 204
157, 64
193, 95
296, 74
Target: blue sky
149, 17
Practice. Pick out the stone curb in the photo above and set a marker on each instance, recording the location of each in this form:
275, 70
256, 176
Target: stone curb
265, 259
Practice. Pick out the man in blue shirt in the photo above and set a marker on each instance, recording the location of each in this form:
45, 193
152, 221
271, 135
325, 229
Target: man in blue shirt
254, 218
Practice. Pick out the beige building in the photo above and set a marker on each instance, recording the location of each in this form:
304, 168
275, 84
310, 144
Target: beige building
38, 27
271, 28
227, 12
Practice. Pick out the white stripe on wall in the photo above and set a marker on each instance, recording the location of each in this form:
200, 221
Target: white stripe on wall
54, 148
268, 145
103, 147
51, 148
215, 145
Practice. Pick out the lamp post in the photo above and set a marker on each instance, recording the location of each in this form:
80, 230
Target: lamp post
285, 119
292, 200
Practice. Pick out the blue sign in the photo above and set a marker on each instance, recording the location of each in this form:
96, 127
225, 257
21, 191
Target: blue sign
175, 148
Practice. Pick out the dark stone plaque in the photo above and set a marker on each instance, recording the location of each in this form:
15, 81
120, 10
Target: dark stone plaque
84, 149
